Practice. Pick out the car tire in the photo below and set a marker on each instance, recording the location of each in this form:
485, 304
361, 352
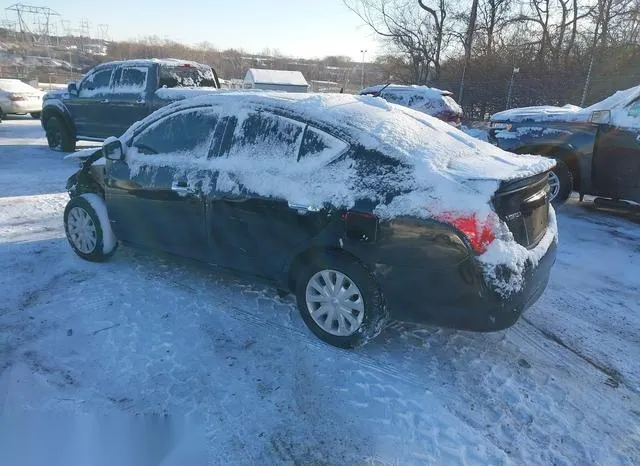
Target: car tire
361, 314
35, 115
560, 183
87, 227
58, 135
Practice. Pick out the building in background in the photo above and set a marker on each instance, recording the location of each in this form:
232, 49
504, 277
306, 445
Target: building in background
275, 80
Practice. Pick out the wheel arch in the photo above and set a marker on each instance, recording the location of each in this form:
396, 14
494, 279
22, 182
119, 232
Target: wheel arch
305, 257
58, 110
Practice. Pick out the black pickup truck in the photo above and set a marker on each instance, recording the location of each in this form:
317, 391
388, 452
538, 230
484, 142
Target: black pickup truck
597, 149
112, 96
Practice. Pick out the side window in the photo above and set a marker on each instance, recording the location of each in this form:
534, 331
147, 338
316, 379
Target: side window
186, 132
96, 83
634, 109
263, 135
318, 145
131, 80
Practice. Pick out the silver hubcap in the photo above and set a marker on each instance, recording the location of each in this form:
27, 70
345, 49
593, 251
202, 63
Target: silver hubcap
81, 230
335, 303
554, 185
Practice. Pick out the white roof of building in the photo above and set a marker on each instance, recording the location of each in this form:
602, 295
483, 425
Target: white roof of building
261, 76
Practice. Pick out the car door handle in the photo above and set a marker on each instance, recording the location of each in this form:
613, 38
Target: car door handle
302, 209
104, 101
140, 101
181, 189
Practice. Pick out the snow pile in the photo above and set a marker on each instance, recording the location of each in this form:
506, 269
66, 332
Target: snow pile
424, 99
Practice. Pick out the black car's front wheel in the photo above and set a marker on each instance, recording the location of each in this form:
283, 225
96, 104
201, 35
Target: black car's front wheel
87, 227
560, 183
340, 301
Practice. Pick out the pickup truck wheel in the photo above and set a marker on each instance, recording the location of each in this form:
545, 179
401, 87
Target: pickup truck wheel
560, 183
58, 136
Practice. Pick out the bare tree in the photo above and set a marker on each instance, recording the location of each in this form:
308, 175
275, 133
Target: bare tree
418, 31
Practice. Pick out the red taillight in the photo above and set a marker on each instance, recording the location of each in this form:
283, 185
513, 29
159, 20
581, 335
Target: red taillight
479, 233
15, 98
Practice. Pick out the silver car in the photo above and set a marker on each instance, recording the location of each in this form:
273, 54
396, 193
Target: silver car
17, 97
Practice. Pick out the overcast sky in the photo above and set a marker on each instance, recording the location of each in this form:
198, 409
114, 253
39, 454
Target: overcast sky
306, 29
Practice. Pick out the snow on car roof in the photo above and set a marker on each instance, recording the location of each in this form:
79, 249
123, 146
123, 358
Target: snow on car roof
424, 90
160, 61
441, 158
283, 77
409, 136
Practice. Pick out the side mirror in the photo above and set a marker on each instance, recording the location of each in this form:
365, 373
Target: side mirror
112, 149
72, 88
601, 117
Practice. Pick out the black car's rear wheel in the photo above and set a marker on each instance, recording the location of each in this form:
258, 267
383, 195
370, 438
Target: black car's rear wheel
58, 135
340, 301
560, 183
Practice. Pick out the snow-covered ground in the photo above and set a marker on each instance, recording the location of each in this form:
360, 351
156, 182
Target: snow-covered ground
148, 334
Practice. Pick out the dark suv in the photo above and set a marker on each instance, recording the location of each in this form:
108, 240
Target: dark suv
112, 96
358, 207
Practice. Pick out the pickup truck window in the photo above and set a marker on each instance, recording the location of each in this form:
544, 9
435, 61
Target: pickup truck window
131, 79
186, 76
188, 132
96, 83
634, 108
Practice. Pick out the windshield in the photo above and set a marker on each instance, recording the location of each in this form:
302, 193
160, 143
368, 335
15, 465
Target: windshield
186, 76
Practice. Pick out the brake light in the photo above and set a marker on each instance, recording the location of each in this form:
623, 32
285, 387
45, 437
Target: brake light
479, 232
15, 98
187, 65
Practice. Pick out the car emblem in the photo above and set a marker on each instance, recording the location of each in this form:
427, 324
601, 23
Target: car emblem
514, 215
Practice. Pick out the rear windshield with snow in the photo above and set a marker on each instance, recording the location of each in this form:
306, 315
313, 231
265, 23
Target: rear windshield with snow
186, 76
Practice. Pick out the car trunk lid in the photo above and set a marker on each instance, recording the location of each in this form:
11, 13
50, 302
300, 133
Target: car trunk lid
523, 204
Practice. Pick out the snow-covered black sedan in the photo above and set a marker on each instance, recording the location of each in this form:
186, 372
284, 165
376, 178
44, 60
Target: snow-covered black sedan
364, 209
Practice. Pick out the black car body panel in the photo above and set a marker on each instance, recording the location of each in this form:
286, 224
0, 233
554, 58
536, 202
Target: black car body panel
425, 268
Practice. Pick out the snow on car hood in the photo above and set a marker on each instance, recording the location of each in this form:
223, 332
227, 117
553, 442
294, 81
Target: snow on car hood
443, 169
539, 113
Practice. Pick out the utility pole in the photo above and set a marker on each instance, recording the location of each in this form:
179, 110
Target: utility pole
363, 51
594, 50
513, 76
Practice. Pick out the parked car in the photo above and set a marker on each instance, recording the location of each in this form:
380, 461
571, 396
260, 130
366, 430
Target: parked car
597, 149
429, 100
19, 98
359, 207
112, 96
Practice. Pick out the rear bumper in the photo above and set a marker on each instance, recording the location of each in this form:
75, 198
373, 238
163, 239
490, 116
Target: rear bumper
472, 303
28, 106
